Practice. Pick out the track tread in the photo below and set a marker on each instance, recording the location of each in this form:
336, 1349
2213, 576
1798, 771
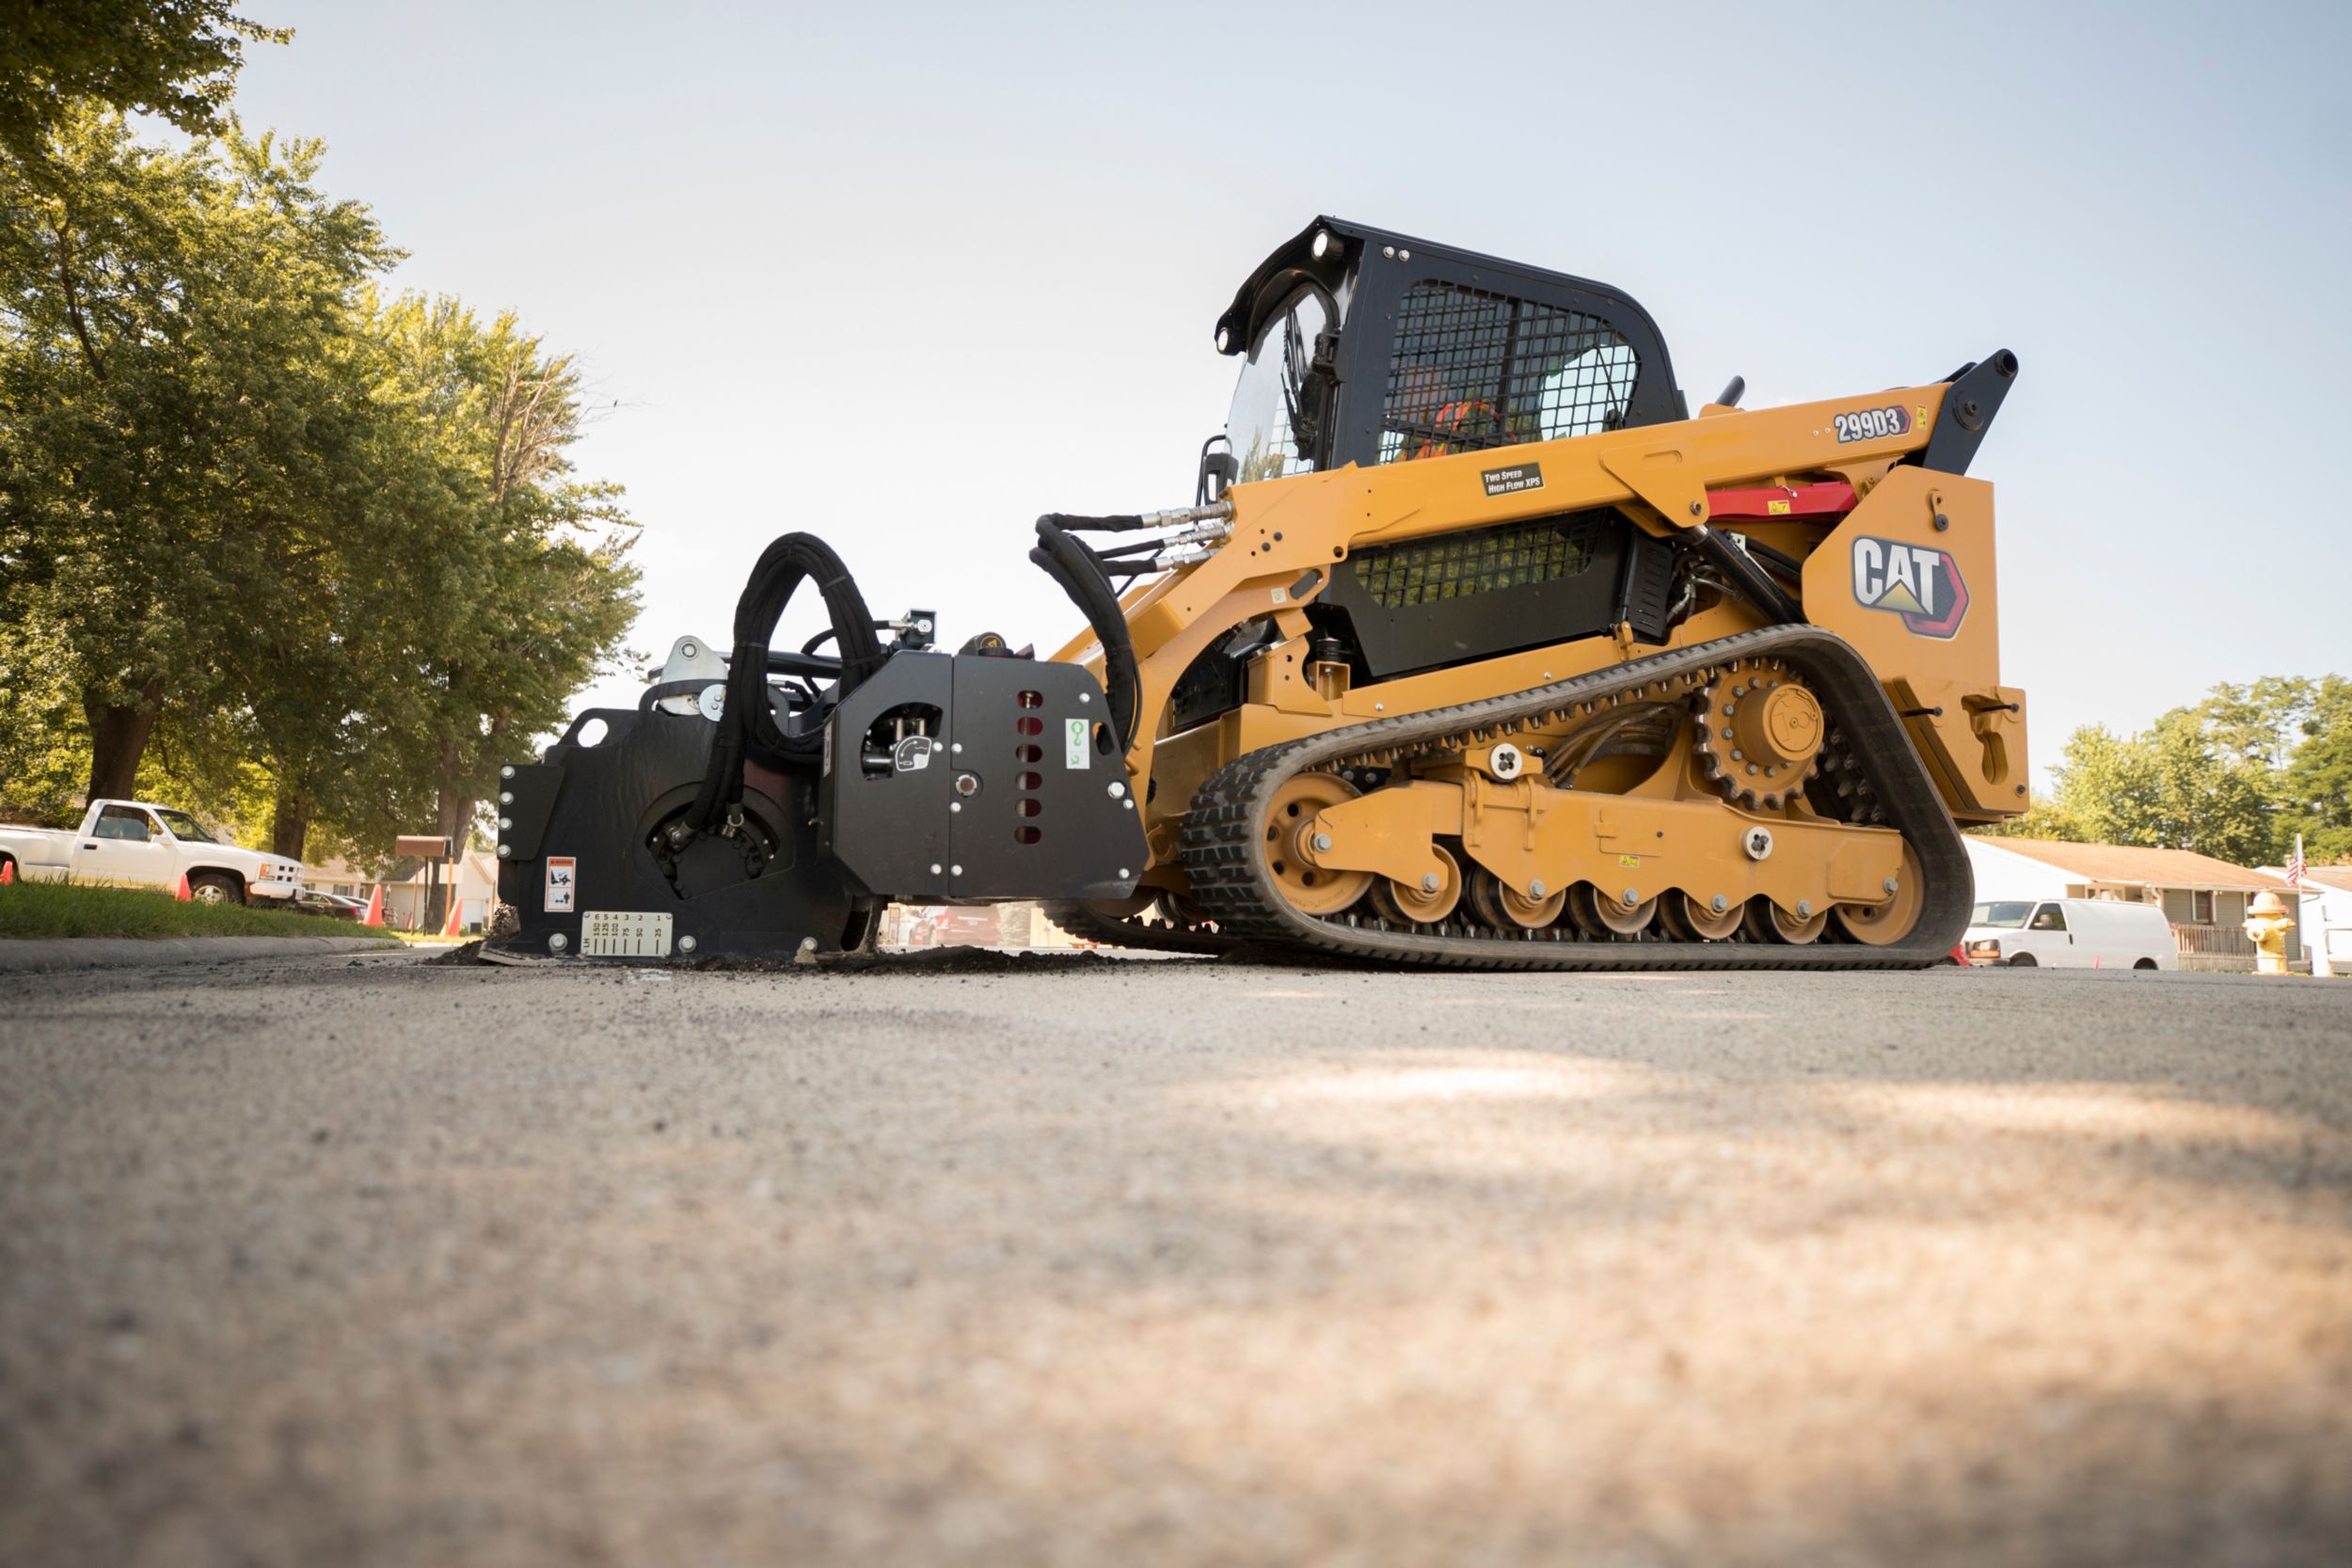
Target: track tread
1078, 920
1224, 864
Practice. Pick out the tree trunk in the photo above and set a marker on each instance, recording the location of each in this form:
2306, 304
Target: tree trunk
454, 815
118, 737
455, 821
290, 824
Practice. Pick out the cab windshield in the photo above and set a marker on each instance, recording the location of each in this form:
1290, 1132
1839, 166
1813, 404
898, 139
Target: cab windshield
2006, 912
1265, 401
187, 828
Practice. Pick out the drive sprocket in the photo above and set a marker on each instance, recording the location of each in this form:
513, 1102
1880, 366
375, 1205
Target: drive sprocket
1757, 733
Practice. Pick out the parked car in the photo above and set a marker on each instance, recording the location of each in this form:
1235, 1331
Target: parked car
2070, 933
334, 906
139, 844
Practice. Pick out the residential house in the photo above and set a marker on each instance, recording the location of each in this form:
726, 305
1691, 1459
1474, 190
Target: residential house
2205, 898
404, 884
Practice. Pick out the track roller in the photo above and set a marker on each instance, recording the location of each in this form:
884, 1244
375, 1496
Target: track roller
1424, 905
1504, 907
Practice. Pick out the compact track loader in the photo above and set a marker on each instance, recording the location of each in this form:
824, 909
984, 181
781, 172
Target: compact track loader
1475, 649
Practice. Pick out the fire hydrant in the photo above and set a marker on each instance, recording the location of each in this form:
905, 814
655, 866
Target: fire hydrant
2267, 926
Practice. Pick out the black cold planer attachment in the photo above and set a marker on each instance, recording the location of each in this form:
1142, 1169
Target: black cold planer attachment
769, 804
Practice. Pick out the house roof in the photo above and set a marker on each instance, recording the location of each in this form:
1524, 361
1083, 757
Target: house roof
2337, 876
2132, 864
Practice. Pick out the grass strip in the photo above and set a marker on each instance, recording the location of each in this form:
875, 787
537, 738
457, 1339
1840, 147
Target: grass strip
45, 911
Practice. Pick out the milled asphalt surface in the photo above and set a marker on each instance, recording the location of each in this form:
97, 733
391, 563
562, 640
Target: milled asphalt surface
121, 951
1087, 1260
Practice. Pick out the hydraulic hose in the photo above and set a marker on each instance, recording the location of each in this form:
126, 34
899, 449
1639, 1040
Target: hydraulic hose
1752, 582
747, 726
1081, 573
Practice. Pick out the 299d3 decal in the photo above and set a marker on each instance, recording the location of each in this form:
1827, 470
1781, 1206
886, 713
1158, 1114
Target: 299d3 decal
1874, 424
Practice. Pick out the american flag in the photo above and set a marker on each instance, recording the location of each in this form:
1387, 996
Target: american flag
2295, 867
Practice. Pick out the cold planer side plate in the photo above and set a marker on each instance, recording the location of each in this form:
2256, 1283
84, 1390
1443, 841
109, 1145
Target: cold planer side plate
577, 865
973, 778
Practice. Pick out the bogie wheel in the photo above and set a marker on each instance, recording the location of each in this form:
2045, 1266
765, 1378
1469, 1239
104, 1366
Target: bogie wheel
1768, 922
1891, 921
1308, 888
1689, 919
1505, 907
1598, 914
210, 888
1421, 905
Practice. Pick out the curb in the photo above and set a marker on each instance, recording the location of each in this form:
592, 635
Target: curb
19, 954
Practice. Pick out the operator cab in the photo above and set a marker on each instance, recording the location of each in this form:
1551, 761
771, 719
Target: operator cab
1362, 346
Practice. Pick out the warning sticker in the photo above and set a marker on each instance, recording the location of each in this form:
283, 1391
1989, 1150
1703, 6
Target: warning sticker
1073, 752
562, 882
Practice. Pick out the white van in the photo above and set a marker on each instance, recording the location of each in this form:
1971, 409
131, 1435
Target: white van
2070, 933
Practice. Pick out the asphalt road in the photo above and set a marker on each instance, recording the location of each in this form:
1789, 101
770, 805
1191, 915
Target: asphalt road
1084, 1260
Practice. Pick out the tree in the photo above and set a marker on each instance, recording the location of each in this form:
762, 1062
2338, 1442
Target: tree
2261, 721
176, 59
2170, 786
177, 455
2317, 786
547, 591
2236, 776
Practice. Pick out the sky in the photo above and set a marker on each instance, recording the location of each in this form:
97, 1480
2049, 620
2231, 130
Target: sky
908, 276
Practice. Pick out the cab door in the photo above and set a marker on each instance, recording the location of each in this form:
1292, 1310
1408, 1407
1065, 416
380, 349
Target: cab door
126, 846
2046, 936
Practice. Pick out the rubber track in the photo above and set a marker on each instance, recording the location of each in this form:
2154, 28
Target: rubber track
1078, 920
1224, 838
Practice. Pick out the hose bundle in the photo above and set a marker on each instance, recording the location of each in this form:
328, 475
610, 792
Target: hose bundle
747, 726
1079, 570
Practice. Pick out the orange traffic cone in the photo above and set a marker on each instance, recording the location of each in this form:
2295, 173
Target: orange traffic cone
8, 873
183, 895
1959, 954
455, 924
375, 907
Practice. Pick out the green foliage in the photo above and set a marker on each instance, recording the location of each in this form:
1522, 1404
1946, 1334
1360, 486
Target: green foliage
327, 555
2235, 777
44, 751
176, 59
2316, 790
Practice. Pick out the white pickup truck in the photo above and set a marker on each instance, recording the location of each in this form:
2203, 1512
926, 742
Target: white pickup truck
136, 844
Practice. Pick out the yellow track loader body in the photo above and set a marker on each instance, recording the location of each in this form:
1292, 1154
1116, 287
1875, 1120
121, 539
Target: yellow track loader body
1475, 648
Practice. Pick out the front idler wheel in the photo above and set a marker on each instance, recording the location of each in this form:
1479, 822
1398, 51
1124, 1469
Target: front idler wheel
1307, 888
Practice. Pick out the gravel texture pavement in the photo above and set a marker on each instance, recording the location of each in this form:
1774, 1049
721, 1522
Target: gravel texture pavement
1077, 1259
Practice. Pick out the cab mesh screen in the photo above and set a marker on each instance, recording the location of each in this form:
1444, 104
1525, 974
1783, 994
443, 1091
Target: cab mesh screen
1473, 371
1482, 561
